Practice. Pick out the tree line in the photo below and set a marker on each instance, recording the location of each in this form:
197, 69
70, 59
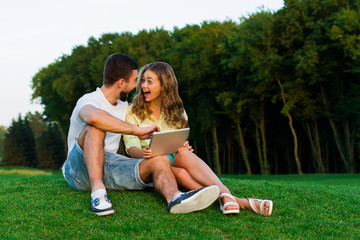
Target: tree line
276, 93
33, 142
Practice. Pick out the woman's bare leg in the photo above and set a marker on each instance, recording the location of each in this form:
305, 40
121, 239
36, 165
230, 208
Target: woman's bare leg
201, 173
184, 179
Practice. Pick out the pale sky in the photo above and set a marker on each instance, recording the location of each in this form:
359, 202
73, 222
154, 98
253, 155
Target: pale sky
36, 32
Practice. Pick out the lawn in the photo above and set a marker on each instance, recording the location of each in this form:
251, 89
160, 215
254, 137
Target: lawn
305, 207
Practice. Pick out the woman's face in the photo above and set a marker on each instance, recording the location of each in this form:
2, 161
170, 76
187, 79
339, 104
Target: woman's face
151, 86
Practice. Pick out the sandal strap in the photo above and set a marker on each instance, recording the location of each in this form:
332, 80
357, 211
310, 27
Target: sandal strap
228, 203
253, 206
227, 195
231, 203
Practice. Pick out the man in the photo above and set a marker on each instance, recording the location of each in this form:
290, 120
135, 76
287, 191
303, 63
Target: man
96, 125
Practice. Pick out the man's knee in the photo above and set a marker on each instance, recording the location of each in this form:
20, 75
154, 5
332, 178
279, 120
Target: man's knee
159, 162
154, 164
90, 132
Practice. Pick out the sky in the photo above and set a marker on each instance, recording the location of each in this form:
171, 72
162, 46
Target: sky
34, 33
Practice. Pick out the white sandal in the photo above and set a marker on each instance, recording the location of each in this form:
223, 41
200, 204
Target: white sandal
222, 207
262, 203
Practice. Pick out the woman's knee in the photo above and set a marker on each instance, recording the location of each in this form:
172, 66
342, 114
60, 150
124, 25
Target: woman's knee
180, 173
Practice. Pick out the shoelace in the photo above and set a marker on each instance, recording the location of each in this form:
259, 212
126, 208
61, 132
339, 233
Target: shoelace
96, 202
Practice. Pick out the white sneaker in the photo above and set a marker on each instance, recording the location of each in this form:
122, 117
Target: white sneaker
100, 203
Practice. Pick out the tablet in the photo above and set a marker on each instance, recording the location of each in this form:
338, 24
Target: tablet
168, 142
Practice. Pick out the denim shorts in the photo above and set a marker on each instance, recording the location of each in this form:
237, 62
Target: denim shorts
120, 172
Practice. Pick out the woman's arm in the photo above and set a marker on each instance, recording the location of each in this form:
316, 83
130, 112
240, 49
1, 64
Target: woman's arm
133, 145
135, 152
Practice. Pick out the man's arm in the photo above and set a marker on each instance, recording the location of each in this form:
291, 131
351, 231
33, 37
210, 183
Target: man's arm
106, 122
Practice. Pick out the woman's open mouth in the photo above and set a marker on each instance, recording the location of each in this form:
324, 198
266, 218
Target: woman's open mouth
146, 94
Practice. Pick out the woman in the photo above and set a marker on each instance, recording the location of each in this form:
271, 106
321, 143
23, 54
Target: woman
157, 102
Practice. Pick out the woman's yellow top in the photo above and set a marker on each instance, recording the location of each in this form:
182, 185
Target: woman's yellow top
134, 141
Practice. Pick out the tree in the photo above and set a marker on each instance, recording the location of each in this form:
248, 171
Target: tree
241, 84
19, 144
51, 148
251, 52
2, 138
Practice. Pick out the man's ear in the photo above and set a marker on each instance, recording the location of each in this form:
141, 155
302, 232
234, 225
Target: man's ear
121, 83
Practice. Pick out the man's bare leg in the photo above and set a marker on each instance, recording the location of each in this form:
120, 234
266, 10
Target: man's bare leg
158, 171
91, 141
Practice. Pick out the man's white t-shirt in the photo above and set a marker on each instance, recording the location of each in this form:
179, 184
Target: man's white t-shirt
98, 100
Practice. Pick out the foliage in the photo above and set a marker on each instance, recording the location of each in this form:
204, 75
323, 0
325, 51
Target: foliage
2, 138
275, 93
51, 148
19, 144
33, 142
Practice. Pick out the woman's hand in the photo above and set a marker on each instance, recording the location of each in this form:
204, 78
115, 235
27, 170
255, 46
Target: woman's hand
186, 147
147, 152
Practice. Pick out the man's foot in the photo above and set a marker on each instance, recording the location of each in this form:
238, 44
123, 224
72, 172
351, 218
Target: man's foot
100, 203
194, 200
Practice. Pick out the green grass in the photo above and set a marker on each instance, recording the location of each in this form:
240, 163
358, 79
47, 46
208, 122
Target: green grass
308, 207
16, 172
328, 179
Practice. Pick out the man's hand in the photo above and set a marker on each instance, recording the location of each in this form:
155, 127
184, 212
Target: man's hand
146, 132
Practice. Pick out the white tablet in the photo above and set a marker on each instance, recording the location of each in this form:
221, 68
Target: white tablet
168, 142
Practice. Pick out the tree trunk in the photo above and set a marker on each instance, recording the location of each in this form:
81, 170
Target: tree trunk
318, 147
216, 157
243, 149
230, 160
349, 140
258, 146
223, 161
335, 131
208, 152
296, 145
313, 135
264, 149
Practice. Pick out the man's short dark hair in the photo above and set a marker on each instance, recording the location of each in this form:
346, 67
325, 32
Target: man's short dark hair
118, 66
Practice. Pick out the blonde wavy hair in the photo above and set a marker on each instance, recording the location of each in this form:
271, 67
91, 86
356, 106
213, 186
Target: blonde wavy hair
172, 104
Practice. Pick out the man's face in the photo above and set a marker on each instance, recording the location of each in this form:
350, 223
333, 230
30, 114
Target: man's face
129, 86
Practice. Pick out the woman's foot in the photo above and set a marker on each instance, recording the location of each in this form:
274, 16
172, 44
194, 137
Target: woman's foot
262, 207
228, 204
